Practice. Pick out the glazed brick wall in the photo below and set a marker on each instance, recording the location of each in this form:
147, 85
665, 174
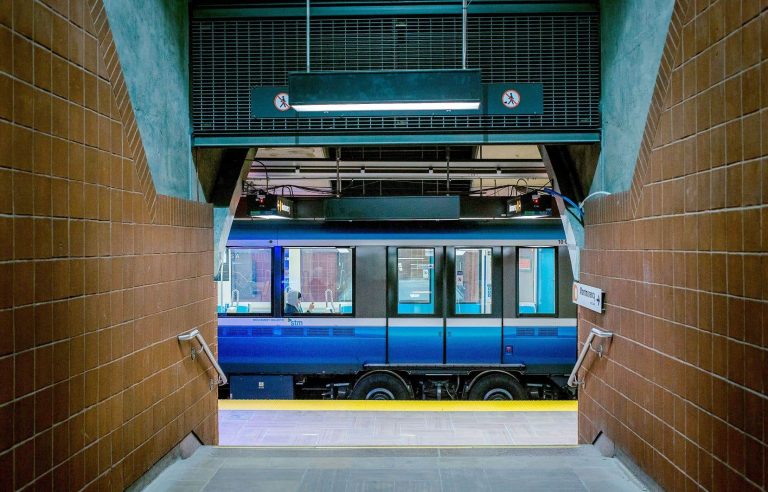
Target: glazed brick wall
682, 258
99, 273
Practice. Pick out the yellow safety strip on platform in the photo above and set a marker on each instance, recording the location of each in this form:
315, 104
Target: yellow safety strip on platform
403, 405
405, 446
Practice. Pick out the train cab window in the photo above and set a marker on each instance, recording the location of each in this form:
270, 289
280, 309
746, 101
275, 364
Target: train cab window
473, 280
536, 285
245, 283
415, 280
317, 281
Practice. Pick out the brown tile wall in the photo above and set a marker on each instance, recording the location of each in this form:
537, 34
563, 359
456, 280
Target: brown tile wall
99, 273
682, 258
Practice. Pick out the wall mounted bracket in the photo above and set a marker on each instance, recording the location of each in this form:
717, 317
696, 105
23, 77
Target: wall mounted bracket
600, 350
195, 335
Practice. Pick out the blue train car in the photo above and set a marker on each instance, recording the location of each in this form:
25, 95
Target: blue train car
398, 310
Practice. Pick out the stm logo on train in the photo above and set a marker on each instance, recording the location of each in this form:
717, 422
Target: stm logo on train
589, 297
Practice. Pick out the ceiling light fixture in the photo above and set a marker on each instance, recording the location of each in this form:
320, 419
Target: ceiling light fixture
411, 90
384, 90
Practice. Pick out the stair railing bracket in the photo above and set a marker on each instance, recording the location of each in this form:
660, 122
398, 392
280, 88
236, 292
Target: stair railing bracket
196, 335
600, 351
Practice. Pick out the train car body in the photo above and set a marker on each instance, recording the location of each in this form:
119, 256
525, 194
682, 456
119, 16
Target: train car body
397, 310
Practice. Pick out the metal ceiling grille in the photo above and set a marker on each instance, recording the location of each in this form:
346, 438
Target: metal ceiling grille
229, 56
418, 153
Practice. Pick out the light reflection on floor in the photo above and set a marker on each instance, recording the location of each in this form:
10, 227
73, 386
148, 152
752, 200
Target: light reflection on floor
395, 428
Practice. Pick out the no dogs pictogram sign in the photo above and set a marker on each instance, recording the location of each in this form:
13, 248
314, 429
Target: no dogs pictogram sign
510, 98
281, 101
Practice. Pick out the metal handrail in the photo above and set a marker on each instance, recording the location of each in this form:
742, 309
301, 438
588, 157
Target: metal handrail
195, 335
594, 332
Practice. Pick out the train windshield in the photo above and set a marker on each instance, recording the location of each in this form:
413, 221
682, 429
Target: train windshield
317, 281
415, 280
245, 281
473, 280
536, 281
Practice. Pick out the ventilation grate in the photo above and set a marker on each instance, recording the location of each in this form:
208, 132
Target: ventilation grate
562, 51
293, 331
237, 332
317, 332
547, 332
343, 332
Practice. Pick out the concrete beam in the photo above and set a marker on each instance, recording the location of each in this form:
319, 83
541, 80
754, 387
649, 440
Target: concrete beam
573, 167
219, 171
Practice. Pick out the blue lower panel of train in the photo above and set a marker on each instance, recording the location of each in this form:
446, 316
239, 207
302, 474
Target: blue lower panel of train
416, 344
274, 348
300, 349
539, 346
473, 344
284, 358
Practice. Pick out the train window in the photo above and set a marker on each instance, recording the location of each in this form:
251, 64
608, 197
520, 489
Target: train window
245, 284
536, 281
473, 281
317, 281
415, 280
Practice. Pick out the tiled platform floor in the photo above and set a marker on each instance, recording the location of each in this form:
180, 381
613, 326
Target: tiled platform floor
545, 469
398, 428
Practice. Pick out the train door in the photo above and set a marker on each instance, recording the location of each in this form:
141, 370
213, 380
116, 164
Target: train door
537, 335
474, 321
416, 329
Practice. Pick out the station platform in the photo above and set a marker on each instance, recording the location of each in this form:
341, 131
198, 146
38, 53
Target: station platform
396, 423
413, 469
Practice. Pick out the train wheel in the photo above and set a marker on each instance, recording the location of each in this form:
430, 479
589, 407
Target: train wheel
379, 386
497, 387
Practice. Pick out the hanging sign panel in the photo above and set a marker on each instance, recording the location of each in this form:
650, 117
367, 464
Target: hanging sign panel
589, 297
513, 98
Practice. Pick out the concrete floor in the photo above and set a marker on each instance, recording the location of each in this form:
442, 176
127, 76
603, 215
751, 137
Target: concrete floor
355, 450
384, 428
414, 469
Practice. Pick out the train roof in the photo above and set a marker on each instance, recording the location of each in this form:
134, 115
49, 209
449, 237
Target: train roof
535, 232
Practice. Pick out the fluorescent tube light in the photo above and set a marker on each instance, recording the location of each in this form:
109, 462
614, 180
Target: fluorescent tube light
270, 217
399, 106
386, 91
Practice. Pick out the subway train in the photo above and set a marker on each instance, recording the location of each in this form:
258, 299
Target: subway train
397, 310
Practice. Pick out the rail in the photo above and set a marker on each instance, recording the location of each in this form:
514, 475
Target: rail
195, 335
594, 332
